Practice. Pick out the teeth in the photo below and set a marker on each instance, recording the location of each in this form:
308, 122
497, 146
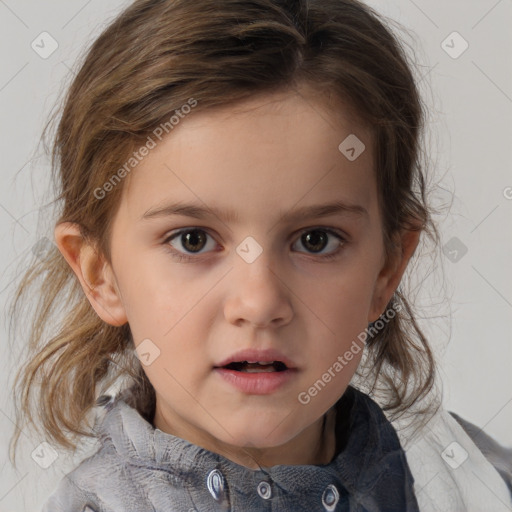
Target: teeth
260, 362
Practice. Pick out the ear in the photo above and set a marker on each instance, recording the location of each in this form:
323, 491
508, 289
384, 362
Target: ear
93, 271
392, 271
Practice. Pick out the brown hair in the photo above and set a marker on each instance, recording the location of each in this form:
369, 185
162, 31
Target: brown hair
152, 59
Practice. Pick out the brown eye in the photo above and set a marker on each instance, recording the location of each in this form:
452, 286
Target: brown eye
192, 241
317, 239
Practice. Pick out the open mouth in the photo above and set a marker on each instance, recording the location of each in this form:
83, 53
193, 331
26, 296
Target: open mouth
257, 376
256, 367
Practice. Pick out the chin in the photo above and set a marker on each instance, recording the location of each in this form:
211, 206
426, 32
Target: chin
258, 433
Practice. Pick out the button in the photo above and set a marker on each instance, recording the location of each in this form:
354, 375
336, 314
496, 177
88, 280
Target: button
330, 498
264, 490
215, 483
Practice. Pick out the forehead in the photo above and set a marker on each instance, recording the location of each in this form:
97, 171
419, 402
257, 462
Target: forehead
265, 154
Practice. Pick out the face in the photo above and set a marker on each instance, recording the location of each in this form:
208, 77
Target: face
250, 263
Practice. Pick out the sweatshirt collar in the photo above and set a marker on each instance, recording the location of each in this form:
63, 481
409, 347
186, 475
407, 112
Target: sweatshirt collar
370, 468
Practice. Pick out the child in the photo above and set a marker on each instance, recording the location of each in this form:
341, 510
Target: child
285, 136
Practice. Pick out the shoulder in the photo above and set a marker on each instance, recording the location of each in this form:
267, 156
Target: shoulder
104, 481
450, 470
80, 490
499, 456
74, 493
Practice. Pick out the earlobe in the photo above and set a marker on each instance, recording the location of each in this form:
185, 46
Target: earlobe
391, 274
93, 271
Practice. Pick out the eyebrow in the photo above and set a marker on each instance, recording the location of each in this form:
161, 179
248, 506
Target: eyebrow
198, 211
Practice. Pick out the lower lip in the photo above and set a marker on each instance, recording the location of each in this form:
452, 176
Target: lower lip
256, 383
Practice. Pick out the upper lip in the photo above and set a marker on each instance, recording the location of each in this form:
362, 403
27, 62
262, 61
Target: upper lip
255, 355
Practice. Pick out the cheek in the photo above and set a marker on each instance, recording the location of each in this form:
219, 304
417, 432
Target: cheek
157, 295
171, 310
179, 357
343, 300
330, 378
338, 318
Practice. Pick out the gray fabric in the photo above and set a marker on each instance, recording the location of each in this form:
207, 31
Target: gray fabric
139, 468
499, 456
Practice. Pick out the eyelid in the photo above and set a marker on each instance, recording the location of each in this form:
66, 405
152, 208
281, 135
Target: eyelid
176, 233
340, 235
333, 231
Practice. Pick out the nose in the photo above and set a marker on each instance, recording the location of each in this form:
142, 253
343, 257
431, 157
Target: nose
258, 295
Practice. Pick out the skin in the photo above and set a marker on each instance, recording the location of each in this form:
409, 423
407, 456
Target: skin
271, 154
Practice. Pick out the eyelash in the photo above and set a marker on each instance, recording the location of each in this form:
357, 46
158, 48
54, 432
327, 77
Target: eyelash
185, 257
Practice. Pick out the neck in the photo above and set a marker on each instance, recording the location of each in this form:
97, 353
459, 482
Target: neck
315, 445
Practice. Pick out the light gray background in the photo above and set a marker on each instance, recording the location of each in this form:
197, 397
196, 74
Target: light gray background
471, 121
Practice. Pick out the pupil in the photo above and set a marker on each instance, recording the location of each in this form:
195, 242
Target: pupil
191, 239
316, 238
